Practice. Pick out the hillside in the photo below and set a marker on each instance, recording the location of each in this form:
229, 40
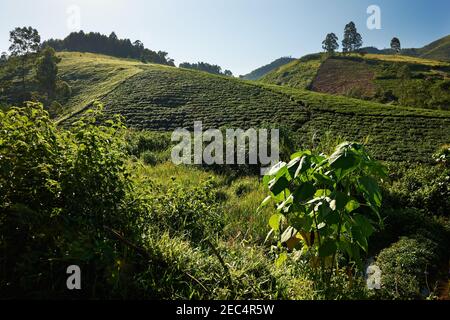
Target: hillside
163, 98
437, 50
297, 74
394, 79
261, 72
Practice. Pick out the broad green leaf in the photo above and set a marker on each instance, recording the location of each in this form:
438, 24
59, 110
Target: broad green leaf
371, 190
303, 166
332, 218
304, 192
292, 167
275, 221
321, 178
365, 225
359, 237
303, 223
322, 193
352, 205
328, 248
264, 203
278, 186
288, 234
286, 203
343, 158
300, 154
281, 259
276, 169
266, 180
341, 200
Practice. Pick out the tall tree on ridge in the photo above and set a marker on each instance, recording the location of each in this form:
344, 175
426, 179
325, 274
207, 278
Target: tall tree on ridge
24, 41
395, 45
352, 39
330, 44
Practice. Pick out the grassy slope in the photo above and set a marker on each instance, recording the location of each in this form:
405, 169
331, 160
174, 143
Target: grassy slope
358, 76
298, 73
165, 98
261, 72
439, 50
92, 76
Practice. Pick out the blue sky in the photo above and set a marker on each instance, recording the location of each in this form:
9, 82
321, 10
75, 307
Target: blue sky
240, 35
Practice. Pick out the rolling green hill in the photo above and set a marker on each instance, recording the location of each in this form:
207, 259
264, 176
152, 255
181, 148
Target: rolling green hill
437, 50
394, 79
261, 72
297, 74
162, 98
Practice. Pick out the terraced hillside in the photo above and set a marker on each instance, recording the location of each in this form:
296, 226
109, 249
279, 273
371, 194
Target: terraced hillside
91, 76
394, 79
164, 98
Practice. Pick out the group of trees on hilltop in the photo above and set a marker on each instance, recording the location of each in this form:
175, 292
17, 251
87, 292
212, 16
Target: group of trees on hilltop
36, 67
95, 42
210, 68
352, 41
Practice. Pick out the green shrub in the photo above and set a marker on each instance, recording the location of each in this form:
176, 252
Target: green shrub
62, 194
63, 91
140, 141
242, 189
404, 267
411, 222
442, 157
325, 205
149, 158
420, 186
179, 270
193, 213
55, 109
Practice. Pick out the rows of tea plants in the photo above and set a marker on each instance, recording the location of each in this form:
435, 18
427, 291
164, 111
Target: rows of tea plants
166, 99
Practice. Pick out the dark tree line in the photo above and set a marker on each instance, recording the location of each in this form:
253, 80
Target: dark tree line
210, 68
111, 45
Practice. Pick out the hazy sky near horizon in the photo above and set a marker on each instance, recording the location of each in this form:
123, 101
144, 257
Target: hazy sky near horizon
239, 35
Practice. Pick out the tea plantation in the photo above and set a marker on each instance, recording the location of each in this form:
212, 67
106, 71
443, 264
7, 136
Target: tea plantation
394, 79
163, 98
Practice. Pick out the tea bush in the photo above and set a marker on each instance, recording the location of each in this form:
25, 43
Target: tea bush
418, 186
405, 267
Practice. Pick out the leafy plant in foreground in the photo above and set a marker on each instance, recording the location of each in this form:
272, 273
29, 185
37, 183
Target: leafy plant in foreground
325, 204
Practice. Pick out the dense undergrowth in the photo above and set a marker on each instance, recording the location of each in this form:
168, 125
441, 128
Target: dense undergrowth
107, 199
